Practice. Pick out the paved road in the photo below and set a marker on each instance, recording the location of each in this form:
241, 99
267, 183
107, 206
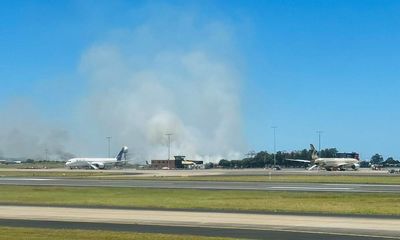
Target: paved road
238, 225
212, 185
200, 231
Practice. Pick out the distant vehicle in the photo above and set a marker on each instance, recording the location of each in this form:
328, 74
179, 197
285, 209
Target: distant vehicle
330, 163
392, 171
277, 168
376, 166
97, 163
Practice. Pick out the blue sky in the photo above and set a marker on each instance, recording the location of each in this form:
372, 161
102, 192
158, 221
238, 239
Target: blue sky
304, 65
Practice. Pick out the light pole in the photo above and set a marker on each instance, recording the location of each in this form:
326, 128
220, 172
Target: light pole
46, 152
319, 140
169, 146
108, 139
274, 127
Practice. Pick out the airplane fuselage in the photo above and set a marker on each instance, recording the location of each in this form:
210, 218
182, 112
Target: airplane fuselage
97, 163
337, 163
89, 162
330, 163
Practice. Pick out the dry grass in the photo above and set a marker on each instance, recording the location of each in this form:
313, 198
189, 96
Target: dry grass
295, 202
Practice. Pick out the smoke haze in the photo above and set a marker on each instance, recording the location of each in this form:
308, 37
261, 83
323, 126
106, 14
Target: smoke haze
24, 133
167, 74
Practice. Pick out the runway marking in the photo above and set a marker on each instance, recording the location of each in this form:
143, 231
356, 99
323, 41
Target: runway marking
27, 179
311, 188
207, 219
262, 186
363, 185
267, 228
281, 229
316, 232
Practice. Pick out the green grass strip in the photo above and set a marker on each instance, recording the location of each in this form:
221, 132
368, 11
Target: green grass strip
13, 233
293, 202
60, 174
36, 165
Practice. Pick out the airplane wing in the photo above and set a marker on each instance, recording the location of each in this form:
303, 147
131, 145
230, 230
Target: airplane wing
298, 160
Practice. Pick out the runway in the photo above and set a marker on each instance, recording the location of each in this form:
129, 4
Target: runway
237, 225
210, 172
210, 185
219, 224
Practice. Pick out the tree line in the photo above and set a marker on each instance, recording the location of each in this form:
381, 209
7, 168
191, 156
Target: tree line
377, 159
265, 159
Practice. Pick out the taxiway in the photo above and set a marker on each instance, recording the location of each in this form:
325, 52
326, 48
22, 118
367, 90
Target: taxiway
238, 225
209, 185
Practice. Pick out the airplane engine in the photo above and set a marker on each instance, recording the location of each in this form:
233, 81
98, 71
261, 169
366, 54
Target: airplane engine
355, 166
99, 165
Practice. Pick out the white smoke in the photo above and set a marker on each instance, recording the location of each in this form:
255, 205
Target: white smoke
141, 91
171, 73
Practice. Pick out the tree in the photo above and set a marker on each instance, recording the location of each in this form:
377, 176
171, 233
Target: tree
391, 161
376, 159
224, 163
29, 160
209, 165
328, 153
364, 164
262, 159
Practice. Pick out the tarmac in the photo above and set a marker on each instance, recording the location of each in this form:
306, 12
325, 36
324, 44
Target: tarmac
221, 224
209, 185
237, 225
214, 172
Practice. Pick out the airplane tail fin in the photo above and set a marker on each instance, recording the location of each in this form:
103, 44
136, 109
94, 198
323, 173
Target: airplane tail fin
122, 153
314, 153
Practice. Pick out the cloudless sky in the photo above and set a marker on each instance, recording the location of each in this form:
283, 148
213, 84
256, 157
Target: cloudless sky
324, 65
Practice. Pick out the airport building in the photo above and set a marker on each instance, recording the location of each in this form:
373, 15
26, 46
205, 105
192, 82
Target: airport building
178, 162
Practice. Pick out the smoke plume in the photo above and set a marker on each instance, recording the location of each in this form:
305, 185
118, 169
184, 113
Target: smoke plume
169, 72
146, 83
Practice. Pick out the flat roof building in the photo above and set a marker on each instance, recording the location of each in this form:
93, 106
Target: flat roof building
178, 163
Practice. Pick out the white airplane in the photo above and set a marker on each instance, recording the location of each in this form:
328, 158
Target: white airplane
329, 163
97, 163
10, 162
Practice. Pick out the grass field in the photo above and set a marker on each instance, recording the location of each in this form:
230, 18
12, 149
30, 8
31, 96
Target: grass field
293, 202
12, 233
60, 174
35, 165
